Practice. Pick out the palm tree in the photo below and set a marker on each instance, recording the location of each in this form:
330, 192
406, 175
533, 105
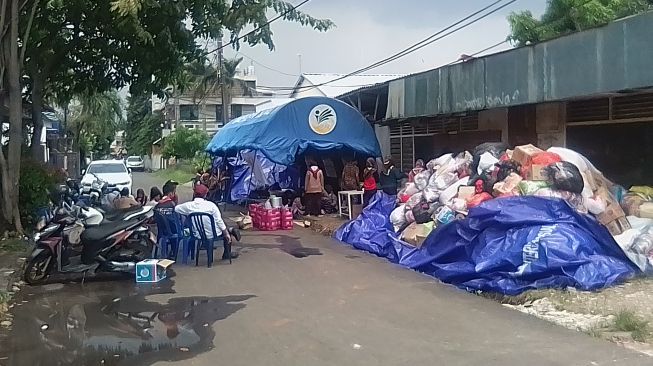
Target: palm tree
95, 119
206, 80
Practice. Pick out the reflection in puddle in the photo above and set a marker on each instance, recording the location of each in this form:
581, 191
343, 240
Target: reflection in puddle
76, 326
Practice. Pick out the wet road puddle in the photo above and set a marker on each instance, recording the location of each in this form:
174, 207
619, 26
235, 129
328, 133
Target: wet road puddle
111, 324
289, 245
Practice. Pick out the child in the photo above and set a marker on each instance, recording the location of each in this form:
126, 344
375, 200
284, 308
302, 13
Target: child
141, 198
329, 201
297, 208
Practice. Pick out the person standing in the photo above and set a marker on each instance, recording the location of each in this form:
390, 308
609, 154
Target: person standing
390, 177
314, 187
370, 181
350, 174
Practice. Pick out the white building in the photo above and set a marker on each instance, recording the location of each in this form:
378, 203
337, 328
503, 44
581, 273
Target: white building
205, 113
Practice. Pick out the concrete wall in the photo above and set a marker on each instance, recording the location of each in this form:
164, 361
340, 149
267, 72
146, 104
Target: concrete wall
494, 119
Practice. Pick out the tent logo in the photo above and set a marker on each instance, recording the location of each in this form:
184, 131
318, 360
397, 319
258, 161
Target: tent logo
322, 119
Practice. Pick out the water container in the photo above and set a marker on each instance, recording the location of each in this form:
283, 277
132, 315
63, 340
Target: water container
276, 202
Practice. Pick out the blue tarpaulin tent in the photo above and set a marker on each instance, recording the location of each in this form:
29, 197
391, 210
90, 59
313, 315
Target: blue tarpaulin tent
312, 123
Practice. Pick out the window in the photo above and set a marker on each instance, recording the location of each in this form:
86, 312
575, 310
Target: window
189, 112
106, 168
236, 111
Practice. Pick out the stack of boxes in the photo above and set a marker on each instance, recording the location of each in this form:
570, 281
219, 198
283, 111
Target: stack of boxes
271, 219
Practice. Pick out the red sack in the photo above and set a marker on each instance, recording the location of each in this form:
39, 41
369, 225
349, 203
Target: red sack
477, 199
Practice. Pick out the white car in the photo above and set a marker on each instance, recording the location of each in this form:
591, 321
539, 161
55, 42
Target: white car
135, 163
113, 172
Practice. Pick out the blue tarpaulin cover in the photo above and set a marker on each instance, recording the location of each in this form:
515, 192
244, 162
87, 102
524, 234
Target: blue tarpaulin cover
252, 171
280, 133
506, 245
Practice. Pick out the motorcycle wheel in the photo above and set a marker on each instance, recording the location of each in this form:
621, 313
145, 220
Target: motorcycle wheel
38, 269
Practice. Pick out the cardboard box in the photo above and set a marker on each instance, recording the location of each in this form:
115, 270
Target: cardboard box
465, 192
618, 226
613, 211
152, 270
415, 234
524, 153
536, 173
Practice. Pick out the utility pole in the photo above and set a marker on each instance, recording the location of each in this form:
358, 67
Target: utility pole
225, 112
299, 56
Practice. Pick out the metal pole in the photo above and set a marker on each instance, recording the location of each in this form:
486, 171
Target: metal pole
225, 112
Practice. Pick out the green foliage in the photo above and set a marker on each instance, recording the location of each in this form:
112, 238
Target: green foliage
36, 179
80, 46
185, 143
181, 172
202, 161
567, 16
628, 321
95, 119
143, 127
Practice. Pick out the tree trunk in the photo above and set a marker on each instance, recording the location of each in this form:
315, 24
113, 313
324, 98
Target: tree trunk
5, 200
15, 117
37, 116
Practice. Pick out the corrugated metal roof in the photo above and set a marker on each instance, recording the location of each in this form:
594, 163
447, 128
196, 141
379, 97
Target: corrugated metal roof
607, 59
348, 84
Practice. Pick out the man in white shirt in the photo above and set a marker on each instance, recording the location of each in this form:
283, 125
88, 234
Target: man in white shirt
199, 204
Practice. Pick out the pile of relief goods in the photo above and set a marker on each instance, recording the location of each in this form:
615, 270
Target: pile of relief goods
452, 184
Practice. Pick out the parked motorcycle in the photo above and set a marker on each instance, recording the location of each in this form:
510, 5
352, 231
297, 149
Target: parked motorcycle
111, 246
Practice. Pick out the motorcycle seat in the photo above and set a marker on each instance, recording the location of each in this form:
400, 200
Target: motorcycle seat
102, 231
116, 215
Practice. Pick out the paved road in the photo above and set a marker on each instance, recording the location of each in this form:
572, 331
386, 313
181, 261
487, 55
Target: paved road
292, 298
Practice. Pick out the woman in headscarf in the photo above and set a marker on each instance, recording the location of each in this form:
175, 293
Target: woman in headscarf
390, 177
370, 181
419, 167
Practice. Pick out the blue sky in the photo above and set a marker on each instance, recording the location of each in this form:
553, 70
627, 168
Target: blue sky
370, 30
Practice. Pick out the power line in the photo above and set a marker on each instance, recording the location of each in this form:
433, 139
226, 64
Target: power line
479, 52
293, 8
423, 43
265, 66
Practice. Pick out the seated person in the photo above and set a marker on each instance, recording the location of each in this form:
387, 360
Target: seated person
329, 201
297, 208
125, 200
200, 204
155, 196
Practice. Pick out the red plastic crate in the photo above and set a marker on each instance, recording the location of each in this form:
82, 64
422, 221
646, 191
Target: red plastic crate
287, 222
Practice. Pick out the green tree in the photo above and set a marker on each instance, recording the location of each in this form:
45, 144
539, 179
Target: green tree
95, 118
568, 16
143, 127
80, 47
185, 143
